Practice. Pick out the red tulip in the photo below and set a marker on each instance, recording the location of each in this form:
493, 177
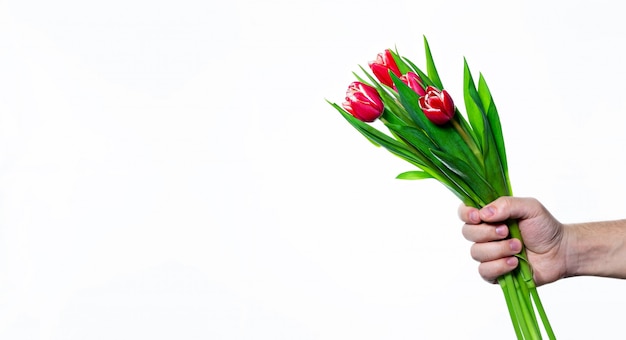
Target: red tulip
437, 105
363, 102
382, 65
414, 82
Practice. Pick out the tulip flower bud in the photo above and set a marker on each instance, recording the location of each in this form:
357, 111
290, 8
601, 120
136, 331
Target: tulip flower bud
414, 82
437, 105
363, 102
382, 65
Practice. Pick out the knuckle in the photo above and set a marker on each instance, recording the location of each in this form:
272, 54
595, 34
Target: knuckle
505, 202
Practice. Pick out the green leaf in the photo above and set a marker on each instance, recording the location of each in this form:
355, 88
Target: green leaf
430, 66
414, 136
379, 138
493, 165
495, 125
457, 185
473, 105
402, 65
401, 150
414, 175
409, 100
423, 76
443, 137
417, 139
391, 117
469, 180
484, 93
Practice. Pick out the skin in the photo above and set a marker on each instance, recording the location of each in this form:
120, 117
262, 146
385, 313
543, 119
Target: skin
555, 250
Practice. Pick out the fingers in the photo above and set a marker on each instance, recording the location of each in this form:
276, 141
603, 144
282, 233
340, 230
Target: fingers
469, 214
486, 228
491, 271
484, 232
496, 258
491, 251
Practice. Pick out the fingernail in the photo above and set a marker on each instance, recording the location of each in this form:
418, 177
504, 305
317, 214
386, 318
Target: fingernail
512, 261
515, 245
502, 231
474, 216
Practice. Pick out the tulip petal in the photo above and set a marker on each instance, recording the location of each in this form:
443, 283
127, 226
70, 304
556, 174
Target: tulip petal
363, 102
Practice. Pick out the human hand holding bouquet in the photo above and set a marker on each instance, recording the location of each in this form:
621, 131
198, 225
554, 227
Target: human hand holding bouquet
467, 155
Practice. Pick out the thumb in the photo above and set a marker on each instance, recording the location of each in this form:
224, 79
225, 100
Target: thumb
508, 207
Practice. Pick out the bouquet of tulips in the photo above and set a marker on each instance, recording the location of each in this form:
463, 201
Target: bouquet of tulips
464, 153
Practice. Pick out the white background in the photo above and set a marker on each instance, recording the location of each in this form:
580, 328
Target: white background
171, 169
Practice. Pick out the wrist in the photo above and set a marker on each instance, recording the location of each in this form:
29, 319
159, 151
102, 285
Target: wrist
572, 248
595, 249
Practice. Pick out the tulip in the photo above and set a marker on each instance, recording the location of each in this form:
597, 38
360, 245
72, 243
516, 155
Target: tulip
413, 81
363, 102
437, 105
382, 65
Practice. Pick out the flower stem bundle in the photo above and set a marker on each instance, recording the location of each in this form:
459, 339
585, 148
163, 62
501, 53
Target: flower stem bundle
464, 153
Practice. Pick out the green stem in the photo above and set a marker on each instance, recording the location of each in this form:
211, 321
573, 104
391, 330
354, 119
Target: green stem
517, 306
510, 303
528, 313
542, 314
526, 295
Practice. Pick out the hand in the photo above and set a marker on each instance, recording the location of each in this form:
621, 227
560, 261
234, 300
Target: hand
544, 237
